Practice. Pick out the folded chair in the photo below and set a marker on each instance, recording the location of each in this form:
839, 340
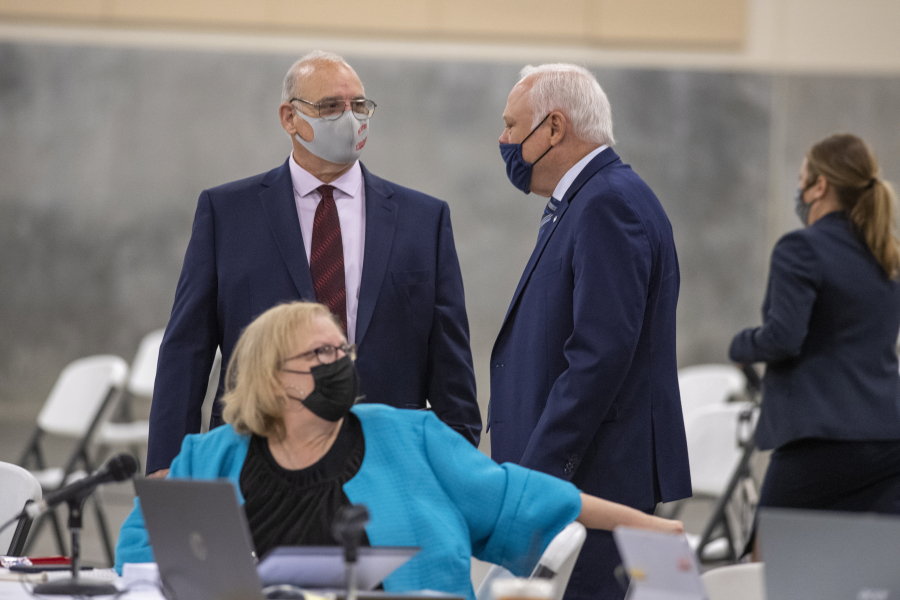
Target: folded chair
126, 431
555, 564
17, 488
702, 385
78, 406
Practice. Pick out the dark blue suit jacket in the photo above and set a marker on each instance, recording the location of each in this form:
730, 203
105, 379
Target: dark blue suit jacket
584, 382
246, 255
829, 334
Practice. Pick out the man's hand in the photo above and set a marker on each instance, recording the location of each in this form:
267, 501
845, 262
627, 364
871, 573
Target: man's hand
161, 474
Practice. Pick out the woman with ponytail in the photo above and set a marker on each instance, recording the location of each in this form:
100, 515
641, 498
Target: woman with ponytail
831, 317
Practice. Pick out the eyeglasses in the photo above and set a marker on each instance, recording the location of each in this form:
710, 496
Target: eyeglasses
326, 355
332, 108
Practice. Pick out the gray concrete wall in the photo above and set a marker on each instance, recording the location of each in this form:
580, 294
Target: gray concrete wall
103, 152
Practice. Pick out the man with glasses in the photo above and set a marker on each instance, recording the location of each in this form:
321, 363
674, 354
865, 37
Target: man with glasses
321, 227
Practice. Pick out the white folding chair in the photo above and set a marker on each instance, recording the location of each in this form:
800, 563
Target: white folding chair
702, 385
129, 432
736, 582
81, 400
713, 448
18, 487
143, 367
714, 452
555, 564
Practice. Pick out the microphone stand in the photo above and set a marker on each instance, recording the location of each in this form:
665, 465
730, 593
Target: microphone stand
348, 529
75, 585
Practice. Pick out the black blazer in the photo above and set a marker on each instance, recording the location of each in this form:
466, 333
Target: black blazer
246, 255
830, 323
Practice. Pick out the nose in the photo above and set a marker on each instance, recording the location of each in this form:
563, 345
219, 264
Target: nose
504, 138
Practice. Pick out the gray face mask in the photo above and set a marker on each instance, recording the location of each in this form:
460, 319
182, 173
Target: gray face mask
802, 208
339, 141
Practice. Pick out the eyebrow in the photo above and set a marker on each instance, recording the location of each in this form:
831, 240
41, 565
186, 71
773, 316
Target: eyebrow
301, 354
339, 99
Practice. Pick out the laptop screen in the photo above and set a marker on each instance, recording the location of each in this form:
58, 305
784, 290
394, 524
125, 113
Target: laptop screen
819, 555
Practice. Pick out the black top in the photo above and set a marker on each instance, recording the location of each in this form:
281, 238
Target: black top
828, 337
296, 508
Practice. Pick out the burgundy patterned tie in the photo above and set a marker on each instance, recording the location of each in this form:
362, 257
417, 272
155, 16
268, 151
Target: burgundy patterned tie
326, 261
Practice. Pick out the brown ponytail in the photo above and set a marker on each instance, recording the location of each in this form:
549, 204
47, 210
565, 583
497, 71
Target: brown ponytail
849, 166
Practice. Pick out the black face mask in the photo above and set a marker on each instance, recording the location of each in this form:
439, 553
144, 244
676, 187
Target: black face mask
335, 391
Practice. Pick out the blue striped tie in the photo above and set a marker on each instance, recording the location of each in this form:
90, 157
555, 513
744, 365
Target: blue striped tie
548, 212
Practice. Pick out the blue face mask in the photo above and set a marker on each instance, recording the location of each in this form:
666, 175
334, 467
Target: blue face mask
517, 168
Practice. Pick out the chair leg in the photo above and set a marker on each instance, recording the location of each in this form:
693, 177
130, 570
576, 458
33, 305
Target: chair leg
58, 531
20, 536
36, 530
104, 530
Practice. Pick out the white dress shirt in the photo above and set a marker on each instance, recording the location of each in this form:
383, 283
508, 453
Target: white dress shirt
569, 178
350, 199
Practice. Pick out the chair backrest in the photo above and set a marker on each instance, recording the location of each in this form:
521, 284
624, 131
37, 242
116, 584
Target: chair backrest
701, 385
80, 393
17, 486
736, 582
556, 563
713, 448
143, 367
559, 558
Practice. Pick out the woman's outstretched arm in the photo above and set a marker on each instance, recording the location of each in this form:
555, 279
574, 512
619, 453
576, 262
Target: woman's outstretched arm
597, 513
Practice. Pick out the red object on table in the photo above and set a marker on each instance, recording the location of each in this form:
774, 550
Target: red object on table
50, 560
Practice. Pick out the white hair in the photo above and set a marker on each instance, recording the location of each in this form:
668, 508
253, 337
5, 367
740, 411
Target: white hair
574, 91
304, 67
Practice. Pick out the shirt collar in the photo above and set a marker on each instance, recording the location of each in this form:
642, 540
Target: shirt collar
569, 178
306, 183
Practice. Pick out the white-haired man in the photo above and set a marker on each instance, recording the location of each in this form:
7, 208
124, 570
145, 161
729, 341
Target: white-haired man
583, 373
321, 227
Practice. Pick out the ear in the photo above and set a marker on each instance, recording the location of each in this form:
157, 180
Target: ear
293, 124
819, 188
559, 126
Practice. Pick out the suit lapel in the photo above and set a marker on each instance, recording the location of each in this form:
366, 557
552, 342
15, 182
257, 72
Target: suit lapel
599, 161
277, 201
381, 217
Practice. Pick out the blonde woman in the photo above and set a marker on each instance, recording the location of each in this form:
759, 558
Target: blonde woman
297, 450
831, 401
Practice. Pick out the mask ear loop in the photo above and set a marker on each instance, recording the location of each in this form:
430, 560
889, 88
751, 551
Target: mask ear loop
538, 126
294, 387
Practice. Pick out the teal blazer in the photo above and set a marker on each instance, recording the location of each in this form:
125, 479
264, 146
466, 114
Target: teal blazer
424, 485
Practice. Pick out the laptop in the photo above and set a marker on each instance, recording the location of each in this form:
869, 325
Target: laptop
830, 555
204, 549
661, 566
200, 539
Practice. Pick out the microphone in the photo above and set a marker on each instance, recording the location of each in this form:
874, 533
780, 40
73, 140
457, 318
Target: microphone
118, 468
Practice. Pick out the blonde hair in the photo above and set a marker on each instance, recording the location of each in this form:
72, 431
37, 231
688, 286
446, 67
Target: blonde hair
846, 163
253, 400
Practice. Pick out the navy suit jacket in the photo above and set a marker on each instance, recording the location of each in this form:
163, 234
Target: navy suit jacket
584, 381
246, 255
829, 334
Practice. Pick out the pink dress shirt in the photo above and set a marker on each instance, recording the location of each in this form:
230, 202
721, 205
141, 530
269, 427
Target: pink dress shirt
350, 198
